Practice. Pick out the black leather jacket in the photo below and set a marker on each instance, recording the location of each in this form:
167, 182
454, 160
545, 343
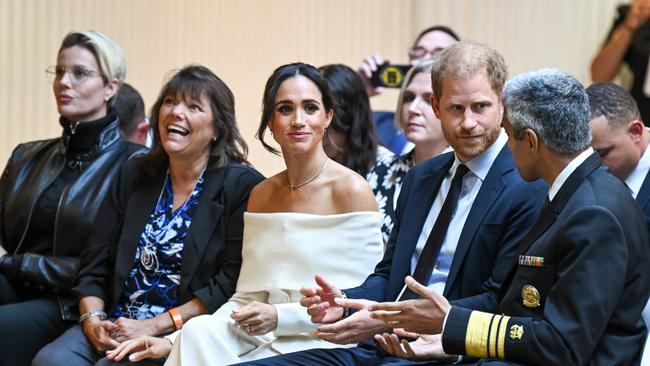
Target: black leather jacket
31, 169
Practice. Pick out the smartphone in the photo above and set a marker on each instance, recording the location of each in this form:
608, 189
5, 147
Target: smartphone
389, 76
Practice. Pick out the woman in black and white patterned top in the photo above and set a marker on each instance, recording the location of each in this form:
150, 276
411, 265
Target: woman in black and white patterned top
415, 117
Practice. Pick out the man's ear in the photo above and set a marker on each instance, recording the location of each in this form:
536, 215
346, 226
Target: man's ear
435, 106
501, 113
141, 132
531, 138
635, 130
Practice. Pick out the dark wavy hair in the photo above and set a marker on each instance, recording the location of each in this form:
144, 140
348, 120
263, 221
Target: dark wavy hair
352, 117
195, 81
281, 74
439, 28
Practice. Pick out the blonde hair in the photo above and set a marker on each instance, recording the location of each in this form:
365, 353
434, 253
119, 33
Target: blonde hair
422, 67
109, 56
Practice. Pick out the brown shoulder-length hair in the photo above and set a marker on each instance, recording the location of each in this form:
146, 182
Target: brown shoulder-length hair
195, 81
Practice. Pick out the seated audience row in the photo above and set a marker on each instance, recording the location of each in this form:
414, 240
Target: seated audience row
501, 207
288, 216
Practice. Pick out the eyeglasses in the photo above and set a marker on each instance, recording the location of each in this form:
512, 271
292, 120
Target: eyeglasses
77, 74
417, 53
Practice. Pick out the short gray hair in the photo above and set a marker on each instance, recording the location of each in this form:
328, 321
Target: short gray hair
554, 105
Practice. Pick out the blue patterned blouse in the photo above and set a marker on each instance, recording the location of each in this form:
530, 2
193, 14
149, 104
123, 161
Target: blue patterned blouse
152, 285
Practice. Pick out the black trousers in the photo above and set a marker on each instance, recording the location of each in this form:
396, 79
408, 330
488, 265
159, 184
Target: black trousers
28, 322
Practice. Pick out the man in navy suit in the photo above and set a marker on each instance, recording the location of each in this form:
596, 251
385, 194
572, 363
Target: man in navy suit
493, 210
575, 293
621, 139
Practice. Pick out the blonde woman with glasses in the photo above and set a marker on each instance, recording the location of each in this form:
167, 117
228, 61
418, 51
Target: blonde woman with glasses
50, 192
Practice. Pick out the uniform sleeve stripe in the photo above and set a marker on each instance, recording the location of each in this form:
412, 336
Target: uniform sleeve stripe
476, 337
492, 340
501, 337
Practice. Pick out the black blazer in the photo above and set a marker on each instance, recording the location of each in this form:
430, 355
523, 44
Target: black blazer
590, 289
212, 248
643, 199
503, 210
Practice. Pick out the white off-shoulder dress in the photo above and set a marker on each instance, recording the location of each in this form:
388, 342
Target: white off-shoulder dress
281, 253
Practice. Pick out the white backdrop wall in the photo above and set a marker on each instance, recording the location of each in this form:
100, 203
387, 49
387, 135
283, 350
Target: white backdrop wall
243, 41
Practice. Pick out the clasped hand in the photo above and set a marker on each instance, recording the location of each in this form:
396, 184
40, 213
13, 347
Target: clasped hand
140, 348
325, 304
105, 335
256, 318
423, 347
424, 315
419, 321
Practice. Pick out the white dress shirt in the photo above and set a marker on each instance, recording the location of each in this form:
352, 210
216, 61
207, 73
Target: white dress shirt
472, 181
636, 178
566, 172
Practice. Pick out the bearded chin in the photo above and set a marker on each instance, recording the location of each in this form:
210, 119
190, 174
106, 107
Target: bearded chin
473, 151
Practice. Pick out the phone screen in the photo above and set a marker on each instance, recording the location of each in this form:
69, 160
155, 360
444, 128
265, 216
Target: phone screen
390, 76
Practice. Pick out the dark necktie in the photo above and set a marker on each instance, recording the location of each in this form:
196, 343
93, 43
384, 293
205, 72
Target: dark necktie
429, 254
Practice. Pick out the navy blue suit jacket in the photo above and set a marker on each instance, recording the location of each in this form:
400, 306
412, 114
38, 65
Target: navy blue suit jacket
643, 198
501, 214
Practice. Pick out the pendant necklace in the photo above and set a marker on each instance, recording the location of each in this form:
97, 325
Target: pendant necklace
294, 186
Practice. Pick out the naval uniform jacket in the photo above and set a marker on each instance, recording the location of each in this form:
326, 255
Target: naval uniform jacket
574, 295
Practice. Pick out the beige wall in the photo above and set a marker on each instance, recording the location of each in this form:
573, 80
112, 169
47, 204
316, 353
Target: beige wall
243, 41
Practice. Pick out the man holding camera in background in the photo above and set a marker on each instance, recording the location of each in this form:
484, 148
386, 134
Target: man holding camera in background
427, 44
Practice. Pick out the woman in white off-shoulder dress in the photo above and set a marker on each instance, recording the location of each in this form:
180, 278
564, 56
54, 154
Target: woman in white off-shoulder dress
315, 217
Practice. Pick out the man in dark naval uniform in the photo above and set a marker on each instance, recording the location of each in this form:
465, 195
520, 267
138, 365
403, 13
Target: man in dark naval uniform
575, 292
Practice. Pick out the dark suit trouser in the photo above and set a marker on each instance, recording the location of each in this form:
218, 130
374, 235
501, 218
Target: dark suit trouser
27, 323
365, 354
73, 348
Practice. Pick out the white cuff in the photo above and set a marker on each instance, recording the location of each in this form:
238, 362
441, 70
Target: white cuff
172, 336
293, 319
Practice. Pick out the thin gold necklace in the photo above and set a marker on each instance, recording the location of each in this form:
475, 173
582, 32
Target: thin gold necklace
294, 186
